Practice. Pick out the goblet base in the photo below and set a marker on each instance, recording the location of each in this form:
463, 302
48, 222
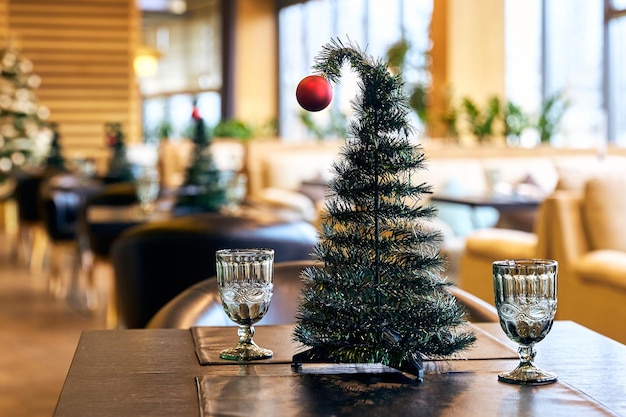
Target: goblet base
246, 351
527, 374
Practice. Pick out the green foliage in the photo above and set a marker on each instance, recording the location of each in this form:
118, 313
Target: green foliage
398, 60
379, 296
204, 188
233, 128
515, 120
552, 111
450, 119
336, 128
481, 122
163, 130
396, 54
119, 168
55, 155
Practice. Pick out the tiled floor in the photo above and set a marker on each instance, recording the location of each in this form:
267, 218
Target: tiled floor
38, 336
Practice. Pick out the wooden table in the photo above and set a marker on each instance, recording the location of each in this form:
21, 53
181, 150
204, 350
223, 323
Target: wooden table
157, 373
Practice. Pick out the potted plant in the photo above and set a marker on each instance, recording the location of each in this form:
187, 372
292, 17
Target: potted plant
550, 116
481, 122
515, 121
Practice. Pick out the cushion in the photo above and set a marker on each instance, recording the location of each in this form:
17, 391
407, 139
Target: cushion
495, 244
290, 200
604, 267
603, 211
287, 170
575, 171
540, 170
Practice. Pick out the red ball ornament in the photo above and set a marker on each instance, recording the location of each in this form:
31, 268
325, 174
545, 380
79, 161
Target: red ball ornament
314, 93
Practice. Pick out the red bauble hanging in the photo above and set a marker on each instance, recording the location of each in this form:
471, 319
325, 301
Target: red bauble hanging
314, 93
195, 113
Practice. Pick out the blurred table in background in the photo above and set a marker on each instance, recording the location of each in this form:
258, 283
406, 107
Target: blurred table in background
516, 211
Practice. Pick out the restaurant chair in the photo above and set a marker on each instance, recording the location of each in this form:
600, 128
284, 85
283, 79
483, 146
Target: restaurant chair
156, 261
478, 310
200, 304
61, 201
31, 246
95, 243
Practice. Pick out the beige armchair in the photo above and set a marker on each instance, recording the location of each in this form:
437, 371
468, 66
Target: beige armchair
585, 231
484, 246
588, 238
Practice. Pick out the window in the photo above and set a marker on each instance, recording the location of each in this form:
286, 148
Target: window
371, 24
552, 46
190, 69
558, 46
616, 86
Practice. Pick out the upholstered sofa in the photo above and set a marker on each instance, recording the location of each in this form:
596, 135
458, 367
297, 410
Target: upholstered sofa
293, 174
285, 172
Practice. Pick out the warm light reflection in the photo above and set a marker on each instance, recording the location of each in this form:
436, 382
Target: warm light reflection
146, 61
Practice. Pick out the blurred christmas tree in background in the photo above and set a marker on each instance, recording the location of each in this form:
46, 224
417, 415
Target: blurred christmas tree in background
55, 156
24, 138
205, 186
119, 169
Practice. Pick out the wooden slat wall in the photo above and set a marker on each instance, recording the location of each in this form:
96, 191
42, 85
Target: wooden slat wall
4, 19
83, 52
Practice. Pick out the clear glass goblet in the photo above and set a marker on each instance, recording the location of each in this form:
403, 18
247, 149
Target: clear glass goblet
236, 193
526, 299
245, 282
147, 185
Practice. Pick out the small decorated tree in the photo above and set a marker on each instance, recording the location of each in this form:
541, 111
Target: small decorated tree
22, 140
378, 295
204, 188
55, 158
119, 168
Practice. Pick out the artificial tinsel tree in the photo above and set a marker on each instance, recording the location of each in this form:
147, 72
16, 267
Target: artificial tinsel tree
378, 295
204, 188
22, 139
119, 168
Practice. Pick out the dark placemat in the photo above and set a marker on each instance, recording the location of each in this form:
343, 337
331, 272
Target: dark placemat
364, 395
209, 341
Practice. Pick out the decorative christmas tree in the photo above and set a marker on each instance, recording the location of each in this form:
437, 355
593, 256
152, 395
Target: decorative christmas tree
55, 157
22, 141
378, 296
119, 169
204, 188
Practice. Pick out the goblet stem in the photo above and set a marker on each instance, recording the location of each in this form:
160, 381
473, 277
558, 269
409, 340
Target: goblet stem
526, 353
245, 332
526, 372
246, 349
